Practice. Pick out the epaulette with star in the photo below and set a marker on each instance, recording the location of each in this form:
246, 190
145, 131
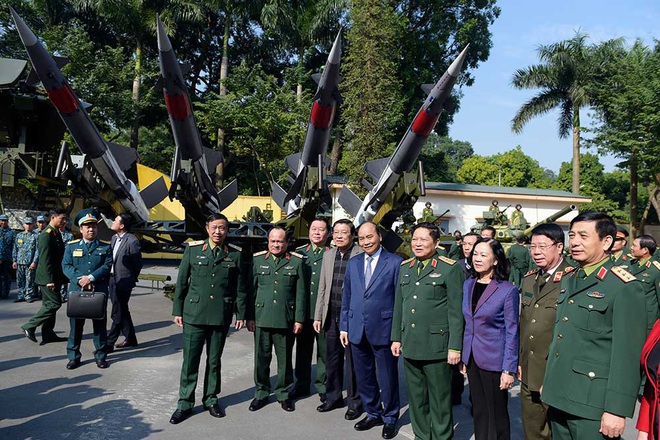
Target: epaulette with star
623, 274
531, 272
233, 246
296, 254
404, 262
73, 241
656, 264
302, 246
196, 243
447, 260
104, 242
259, 253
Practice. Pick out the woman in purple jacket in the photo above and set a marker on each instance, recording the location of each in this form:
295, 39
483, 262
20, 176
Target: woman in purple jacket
490, 341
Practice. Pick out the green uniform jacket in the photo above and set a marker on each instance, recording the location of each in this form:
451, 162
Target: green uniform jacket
649, 274
312, 267
280, 290
519, 257
537, 321
210, 289
428, 319
50, 248
597, 341
94, 258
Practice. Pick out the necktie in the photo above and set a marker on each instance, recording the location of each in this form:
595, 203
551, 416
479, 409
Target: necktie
317, 251
368, 272
420, 266
216, 252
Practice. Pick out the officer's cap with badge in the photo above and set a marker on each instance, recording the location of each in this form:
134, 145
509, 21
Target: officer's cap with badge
41, 218
4, 217
621, 233
28, 221
87, 216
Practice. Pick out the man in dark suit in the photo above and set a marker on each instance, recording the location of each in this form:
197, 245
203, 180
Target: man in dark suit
540, 289
366, 322
126, 266
327, 314
210, 288
49, 278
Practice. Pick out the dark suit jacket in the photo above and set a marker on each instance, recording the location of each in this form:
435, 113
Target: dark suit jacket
325, 282
127, 262
369, 309
491, 332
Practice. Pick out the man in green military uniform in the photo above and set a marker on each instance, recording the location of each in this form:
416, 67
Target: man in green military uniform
519, 260
540, 290
25, 258
647, 270
427, 328
312, 253
87, 263
280, 308
427, 213
210, 288
50, 278
618, 252
592, 377
518, 218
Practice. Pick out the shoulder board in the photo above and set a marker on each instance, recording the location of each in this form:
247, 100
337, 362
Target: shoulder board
104, 242
233, 246
302, 246
656, 264
296, 254
623, 274
196, 243
259, 253
407, 261
73, 241
447, 260
531, 272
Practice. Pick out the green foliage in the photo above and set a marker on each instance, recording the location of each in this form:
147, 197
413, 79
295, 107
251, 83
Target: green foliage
443, 156
514, 167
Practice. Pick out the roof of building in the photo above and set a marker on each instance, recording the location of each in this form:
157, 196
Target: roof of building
444, 186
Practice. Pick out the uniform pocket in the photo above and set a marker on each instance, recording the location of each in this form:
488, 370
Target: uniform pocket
592, 315
588, 383
439, 338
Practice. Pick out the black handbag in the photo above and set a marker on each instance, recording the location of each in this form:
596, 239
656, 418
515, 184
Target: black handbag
87, 305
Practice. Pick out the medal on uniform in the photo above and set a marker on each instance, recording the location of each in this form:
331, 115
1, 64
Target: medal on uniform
435, 275
597, 295
77, 253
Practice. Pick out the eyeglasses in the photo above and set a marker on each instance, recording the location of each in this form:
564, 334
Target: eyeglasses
541, 247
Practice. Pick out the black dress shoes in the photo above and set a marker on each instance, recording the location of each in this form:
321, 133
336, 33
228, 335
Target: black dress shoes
54, 338
287, 405
329, 406
180, 415
257, 404
72, 365
367, 423
102, 363
216, 411
126, 344
29, 333
389, 430
322, 397
352, 414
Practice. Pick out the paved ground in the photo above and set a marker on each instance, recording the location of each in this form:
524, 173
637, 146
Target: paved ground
134, 398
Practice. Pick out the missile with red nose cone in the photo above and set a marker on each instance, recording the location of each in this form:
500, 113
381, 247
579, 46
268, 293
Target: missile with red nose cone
319, 127
387, 173
79, 124
186, 134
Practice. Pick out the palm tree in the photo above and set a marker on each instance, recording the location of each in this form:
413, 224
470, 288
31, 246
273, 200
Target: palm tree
563, 77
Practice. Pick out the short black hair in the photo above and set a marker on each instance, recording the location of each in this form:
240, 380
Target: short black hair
605, 226
369, 222
490, 228
345, 221
471, 234
521, 238
648, 242
501, 269
321, 219
57, 212
551, 230
433, 230
216, 216
126, 220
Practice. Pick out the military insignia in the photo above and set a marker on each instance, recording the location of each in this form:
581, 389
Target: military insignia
447, 260
264, 267
434, 263
601, 273
73, 241
204, 248
77, 253
562, 291
288, 268
657, 265
531, 272
226, 259
19, 241
406, 274
648, 263
409, 260
295, 254
596, 295
260, 253
623, 274
557, 277
569, 269
196, 243
233, 246
309, 246
435, 275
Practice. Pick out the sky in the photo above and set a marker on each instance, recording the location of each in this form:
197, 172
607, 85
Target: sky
487, 107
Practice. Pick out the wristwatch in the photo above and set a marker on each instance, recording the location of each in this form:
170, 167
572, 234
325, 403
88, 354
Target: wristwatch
508, 372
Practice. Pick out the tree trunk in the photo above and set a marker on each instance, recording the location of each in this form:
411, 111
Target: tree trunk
654, 194
576, 151
652, 189
335, 155
224, 70
633, 194
137, 81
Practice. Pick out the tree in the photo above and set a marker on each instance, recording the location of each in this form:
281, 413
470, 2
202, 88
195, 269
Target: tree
563, 77
513, 168
443, 156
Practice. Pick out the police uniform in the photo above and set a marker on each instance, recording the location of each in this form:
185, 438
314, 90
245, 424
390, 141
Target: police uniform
428, 321
648, 272
537, 321
312, 259
210, 288
280, 298
93, 258
593, 359
24, 255
6, 249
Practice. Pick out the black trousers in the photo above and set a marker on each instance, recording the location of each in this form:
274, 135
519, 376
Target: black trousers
334, 368
489, 404
122, 323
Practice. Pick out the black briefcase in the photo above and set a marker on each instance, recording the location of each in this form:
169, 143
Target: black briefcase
87, 305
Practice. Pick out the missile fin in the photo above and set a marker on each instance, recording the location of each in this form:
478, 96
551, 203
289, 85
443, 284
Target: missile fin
278, 194
228, 194
316, 77
154, 193
33, 78
349, 201
427, 88
290, 179
374, 168
296, 187
213, 158
292, 161
125, 156
391, 240
367, 184
60, 61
